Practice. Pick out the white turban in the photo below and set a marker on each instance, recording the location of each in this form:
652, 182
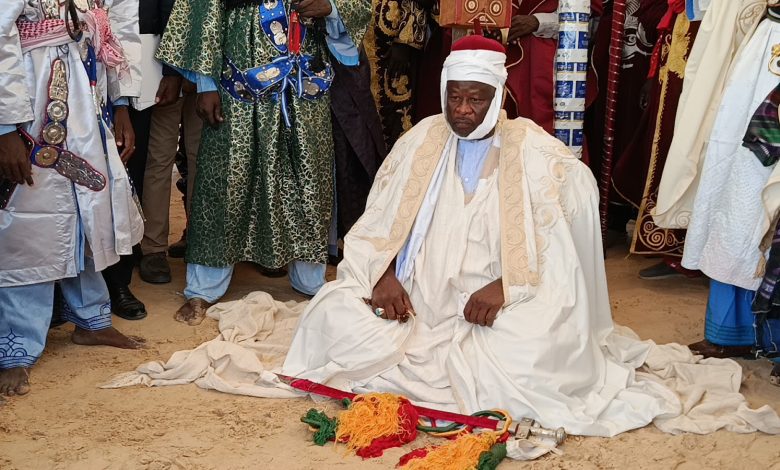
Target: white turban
477, 65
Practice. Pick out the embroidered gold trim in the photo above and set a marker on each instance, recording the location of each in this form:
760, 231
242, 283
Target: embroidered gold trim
516, 268
425, 159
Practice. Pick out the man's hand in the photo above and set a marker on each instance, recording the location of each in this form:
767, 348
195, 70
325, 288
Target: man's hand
169, 89
313, 8
484, 304
390, 295
188, 88
522, 25
399, 59
15, 162
209, 108
124, 133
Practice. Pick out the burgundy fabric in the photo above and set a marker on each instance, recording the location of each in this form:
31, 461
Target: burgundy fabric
639, 170
531, 66
630, 119
427, 99
474, 42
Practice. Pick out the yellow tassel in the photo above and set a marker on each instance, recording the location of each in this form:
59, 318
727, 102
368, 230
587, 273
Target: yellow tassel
370, 416
460, 454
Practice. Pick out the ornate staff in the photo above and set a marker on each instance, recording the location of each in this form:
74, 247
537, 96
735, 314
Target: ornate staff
613, 80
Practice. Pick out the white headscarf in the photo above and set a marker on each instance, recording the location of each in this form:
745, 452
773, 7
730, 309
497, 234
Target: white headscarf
477, 65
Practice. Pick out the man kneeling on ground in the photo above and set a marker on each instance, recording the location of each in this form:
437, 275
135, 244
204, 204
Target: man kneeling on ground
475, 279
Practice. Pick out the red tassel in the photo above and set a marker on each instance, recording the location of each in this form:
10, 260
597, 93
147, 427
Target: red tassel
415, 454
295, 33
408, 433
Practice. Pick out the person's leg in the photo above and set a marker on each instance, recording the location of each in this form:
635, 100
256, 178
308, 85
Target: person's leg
205, 285
179, 249
88, 306
25, 312
193, 128
124, 303
307, 278
119, 275
163, 139
728, 324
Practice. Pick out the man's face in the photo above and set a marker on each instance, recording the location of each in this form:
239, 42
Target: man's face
467, 105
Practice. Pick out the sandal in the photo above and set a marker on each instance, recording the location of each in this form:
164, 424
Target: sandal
774, 376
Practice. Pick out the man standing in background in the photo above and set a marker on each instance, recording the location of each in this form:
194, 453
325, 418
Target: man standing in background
264, 191
152, 18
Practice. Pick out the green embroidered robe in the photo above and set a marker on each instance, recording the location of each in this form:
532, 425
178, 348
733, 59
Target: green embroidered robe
263, 192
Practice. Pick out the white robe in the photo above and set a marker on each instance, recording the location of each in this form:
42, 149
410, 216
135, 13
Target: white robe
545, 357
39, 229
729, 218
553, 353
726, 26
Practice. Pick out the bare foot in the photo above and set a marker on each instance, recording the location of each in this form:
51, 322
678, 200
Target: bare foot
14, 381
106, 337
192, 312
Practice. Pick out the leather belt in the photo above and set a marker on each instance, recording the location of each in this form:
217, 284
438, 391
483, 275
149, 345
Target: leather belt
64, 162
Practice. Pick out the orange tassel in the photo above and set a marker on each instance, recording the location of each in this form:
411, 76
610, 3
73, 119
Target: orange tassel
460, 454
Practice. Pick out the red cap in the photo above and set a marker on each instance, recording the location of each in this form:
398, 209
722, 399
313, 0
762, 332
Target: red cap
476, 42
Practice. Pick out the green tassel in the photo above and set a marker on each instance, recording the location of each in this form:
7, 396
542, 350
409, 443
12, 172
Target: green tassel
326, 427
490, 459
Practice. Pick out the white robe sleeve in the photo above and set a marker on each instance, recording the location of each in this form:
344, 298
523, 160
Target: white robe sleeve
548, 25
582, 208
124, 24
15, 106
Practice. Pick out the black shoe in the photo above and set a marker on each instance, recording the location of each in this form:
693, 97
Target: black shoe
154, 268
179, 249
272, 273
125, 305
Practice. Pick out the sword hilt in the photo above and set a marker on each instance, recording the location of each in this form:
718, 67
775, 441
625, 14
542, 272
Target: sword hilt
527, 427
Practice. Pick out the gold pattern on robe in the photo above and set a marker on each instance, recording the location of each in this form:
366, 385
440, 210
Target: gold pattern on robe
394, 22
647, 233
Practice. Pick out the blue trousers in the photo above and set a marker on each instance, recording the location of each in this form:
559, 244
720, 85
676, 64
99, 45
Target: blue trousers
210, 284
25, 314
729, 320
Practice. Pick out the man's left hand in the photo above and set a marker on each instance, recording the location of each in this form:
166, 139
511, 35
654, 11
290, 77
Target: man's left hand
484, 304
123, 133
313, 8
522, 25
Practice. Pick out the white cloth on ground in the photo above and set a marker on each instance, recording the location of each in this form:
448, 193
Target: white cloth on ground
552, 354
255, 333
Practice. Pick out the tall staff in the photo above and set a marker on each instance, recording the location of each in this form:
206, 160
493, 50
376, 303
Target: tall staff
613, 79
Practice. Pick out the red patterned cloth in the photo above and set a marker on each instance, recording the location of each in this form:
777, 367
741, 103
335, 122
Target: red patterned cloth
37, 33
108, 49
